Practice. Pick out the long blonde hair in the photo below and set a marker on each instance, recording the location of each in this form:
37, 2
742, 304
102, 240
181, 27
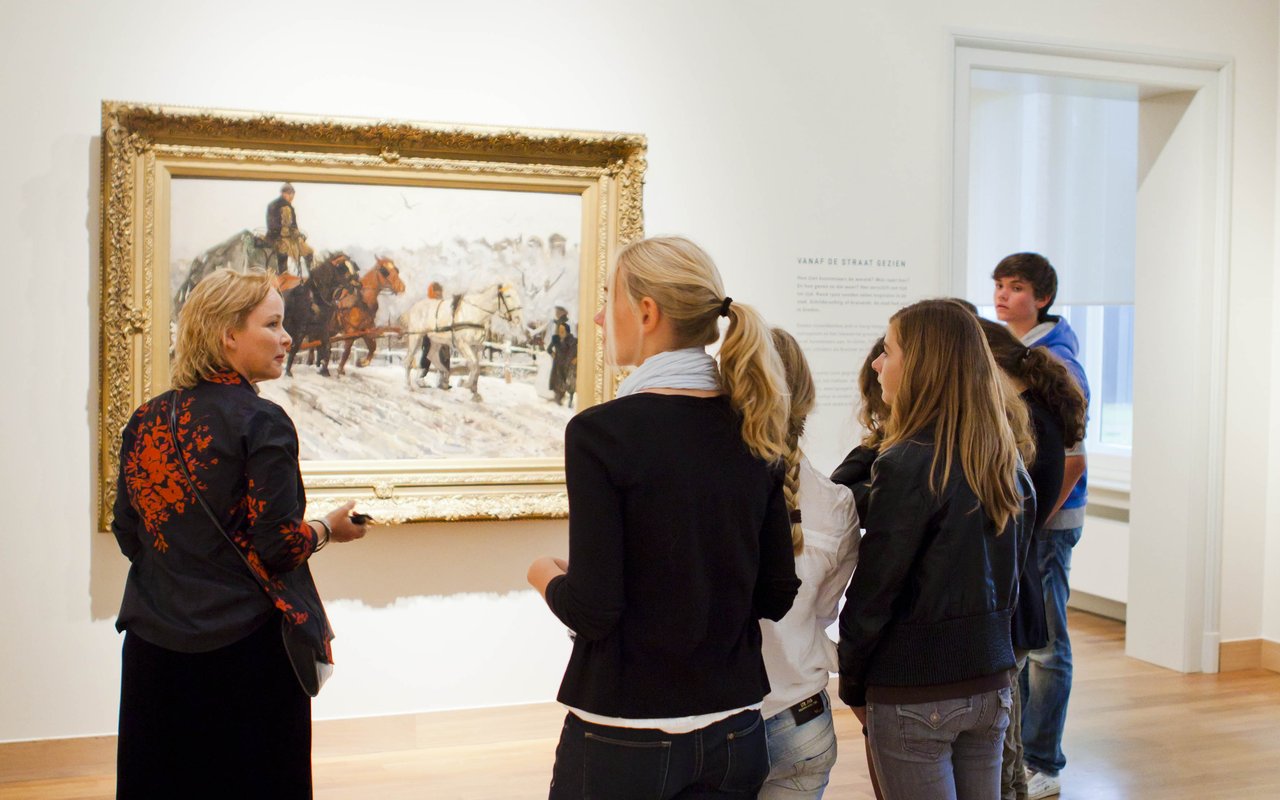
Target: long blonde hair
220, 302
950, 383
683, 281
804, 396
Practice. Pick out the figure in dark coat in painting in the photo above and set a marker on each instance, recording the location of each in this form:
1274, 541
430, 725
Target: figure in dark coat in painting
435, 291
563, 348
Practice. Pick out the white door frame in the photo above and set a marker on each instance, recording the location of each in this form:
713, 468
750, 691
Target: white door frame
1210, 76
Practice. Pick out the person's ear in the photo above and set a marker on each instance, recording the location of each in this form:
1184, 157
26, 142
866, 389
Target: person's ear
650, 314
229, 340
1041, 302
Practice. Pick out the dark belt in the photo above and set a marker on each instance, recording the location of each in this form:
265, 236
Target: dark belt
808, 709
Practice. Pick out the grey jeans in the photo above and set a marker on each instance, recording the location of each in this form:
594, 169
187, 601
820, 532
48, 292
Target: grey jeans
943, 750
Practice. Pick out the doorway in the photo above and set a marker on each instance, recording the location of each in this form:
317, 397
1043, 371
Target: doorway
1114, 165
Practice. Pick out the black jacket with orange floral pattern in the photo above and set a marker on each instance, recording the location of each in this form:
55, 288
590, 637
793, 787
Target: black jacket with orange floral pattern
187, 590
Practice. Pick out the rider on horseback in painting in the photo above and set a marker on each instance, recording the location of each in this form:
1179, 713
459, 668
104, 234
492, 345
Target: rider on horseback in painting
283, 233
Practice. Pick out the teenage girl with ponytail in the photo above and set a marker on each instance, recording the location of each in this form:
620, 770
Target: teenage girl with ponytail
925, 648
679, 542
797, 652
1057, 409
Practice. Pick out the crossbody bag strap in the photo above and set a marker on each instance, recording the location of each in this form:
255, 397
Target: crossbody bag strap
182, 462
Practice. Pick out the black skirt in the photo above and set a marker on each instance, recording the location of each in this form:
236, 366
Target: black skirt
232, 722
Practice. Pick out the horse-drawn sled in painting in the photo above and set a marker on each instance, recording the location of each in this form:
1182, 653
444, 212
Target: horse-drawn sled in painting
463, 324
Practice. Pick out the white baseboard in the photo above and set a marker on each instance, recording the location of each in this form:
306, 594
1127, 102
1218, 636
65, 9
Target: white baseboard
1092, 603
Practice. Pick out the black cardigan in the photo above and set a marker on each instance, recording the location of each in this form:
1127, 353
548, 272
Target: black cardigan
679, 543
1030, 631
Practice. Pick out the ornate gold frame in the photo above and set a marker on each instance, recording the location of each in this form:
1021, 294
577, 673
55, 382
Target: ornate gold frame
143, 147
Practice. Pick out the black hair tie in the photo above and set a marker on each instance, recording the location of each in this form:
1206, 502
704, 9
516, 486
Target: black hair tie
724, 306
794, 514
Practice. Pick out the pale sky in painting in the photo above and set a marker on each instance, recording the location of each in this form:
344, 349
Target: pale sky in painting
207, 211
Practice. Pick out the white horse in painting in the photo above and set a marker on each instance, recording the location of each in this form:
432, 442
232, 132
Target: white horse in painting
463, 323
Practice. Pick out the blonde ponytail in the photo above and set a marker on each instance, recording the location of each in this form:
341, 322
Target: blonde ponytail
753, 377
683, 281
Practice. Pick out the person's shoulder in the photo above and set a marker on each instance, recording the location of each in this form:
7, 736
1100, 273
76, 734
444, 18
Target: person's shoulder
269, 409
1035, 404
147, 409
596, 420
1061, 338
816, 486
909, 456
595, 415
262, 416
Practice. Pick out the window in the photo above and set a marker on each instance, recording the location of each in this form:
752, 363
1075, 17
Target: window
1106, 351
1053, 169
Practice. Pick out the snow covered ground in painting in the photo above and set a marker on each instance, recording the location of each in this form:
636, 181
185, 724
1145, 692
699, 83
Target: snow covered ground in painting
370, 414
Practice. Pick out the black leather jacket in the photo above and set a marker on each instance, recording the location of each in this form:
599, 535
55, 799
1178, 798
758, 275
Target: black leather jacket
935, 586
855, 473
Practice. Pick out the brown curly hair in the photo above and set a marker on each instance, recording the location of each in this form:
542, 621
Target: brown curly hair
1045, 377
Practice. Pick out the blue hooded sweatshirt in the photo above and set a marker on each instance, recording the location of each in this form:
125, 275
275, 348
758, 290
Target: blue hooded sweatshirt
1061, 341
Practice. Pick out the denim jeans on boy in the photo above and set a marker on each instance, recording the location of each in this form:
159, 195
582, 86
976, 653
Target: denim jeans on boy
800, 756
943, 750
726, 759
1046, 682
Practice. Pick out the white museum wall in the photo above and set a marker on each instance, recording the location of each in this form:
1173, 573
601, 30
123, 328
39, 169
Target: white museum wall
1271, 556
776, 133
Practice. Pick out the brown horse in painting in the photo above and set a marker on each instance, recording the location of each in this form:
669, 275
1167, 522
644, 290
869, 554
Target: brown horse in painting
285, 281
357, 317
309, 307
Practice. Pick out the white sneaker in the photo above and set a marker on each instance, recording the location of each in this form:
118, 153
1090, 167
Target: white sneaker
1040, 785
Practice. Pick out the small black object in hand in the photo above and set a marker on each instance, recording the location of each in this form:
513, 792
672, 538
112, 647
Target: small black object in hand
360, 519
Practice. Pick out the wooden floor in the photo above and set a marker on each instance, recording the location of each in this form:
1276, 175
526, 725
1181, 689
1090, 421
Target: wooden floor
1134, 731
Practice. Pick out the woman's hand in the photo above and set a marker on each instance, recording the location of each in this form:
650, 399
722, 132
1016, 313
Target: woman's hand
542, 570
339, 521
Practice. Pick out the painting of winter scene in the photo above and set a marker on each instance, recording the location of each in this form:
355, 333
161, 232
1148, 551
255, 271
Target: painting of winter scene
428, 322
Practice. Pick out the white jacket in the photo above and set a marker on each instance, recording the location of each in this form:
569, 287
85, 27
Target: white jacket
798, 653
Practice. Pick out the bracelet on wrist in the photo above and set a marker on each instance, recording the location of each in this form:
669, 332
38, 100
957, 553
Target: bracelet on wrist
324, 537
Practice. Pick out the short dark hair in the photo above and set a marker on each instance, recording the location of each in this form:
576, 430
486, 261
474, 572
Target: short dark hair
1036, 270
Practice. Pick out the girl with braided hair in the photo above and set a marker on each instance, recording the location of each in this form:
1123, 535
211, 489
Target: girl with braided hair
679, 542
797, 652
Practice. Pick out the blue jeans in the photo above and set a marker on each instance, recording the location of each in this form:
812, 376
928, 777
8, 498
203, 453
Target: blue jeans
1046, 682
726, 759
943, 750
800, 757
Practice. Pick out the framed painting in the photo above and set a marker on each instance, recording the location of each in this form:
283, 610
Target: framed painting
459, 269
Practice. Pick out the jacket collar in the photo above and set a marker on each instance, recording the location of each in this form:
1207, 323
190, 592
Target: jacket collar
229, 377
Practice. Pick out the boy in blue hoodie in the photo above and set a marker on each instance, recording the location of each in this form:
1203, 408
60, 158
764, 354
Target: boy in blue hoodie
1025, 287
